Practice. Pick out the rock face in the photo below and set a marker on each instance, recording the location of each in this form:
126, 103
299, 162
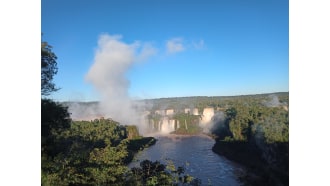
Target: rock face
208, 113
193, 111
285, 108
169, 112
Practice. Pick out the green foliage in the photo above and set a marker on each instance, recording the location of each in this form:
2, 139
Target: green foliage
132, 131
48, 69
54, 117
269, 123
91, 153
231, 113
249, 119
107, 130
189, 124
138, 144
222, 102
259, 137
96, 153
155, 173
228, 139
54, 120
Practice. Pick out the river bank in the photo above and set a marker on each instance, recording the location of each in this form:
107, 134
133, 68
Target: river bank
267, 166
136, 145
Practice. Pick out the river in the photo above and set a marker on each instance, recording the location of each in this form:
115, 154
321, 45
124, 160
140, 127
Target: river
196, 155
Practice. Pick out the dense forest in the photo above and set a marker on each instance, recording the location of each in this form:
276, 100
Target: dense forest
255, 133
252, 130
97, 153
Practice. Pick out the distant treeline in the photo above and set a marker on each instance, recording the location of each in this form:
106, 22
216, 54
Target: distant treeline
201, 102
211, 101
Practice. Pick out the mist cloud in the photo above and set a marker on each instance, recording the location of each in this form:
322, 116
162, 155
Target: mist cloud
113, 58
273, 101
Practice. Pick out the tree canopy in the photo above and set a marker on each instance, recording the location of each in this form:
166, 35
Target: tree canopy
48, 69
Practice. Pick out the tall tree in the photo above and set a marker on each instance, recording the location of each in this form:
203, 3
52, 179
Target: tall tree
54, 116
48, 69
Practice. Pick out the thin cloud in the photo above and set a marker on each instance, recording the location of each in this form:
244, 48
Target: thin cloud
174, 45
147, 50
198, 45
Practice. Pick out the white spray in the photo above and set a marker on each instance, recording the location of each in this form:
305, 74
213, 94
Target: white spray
113, 58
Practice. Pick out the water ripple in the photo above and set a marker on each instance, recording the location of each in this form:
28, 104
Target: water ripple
196, 155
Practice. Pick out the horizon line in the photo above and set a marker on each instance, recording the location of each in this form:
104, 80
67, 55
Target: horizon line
181, 97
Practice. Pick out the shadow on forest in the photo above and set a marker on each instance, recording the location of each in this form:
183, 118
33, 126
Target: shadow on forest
267, 164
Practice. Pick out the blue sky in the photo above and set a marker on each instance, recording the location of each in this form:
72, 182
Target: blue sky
200, 48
